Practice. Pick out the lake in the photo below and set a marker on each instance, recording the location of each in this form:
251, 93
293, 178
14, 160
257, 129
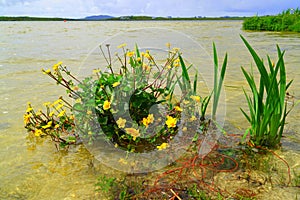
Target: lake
32, 168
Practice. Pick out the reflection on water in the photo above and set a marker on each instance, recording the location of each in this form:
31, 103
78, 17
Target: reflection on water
30, 171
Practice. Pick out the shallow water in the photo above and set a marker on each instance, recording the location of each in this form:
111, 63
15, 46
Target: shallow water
32, 169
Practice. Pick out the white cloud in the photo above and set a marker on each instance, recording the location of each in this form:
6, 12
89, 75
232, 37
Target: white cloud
82, 8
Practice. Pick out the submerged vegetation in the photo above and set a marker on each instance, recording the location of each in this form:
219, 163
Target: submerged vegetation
141, 105
288, 20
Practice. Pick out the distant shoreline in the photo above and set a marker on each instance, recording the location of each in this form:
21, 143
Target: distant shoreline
125, 18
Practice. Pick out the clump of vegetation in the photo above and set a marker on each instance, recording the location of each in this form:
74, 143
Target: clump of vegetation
132, 105
266, 104
288, 20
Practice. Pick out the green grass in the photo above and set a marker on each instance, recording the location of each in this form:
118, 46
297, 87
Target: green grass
288, 20
266, 102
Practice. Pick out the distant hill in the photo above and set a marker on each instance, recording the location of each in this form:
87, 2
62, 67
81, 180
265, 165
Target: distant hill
98, 17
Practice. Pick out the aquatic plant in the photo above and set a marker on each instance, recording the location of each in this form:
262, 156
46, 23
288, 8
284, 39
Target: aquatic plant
267, 105
130, 101
218, 80
53, 122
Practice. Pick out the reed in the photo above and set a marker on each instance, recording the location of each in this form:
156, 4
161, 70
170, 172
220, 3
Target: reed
218, 80
266, 102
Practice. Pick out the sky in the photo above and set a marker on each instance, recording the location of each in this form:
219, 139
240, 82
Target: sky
175, 8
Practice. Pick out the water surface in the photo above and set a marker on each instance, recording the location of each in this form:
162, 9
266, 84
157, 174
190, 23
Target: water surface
31, 168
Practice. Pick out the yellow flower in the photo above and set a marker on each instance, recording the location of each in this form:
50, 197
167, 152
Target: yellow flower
145, 122
96, 71
46, 104
195, 98
186, 102
130, 53
116, 145
48, 71
89, 112
184, 129
27, 118
48, 125
121, 122
115, 84
39, 112
176, 64
171, 122
78, 100
122, 45
168, 45
57, 101
177, 60
177, 108
150, 118
176, 49
138, 59
56, 126
38, 132
71, 117
193, 118
163, 146
59, 106
133, 132
106, 105
76, 88
55, 67
29, 109
51, 114
62, 113
146, 67
147, 55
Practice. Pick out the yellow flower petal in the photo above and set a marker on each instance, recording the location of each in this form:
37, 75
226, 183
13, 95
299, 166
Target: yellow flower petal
130, 53
51, 114
133, 132
89, 112
195, 98
106, 105
62, 113
163, 146
38, 132
150, 118
46, 103
116, 84
122, 45
168, 45
145, 122
193, 118
48, 71
121, 122
177, 108
29, 109
171, 122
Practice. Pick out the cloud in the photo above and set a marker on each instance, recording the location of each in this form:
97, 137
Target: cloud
82, 8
